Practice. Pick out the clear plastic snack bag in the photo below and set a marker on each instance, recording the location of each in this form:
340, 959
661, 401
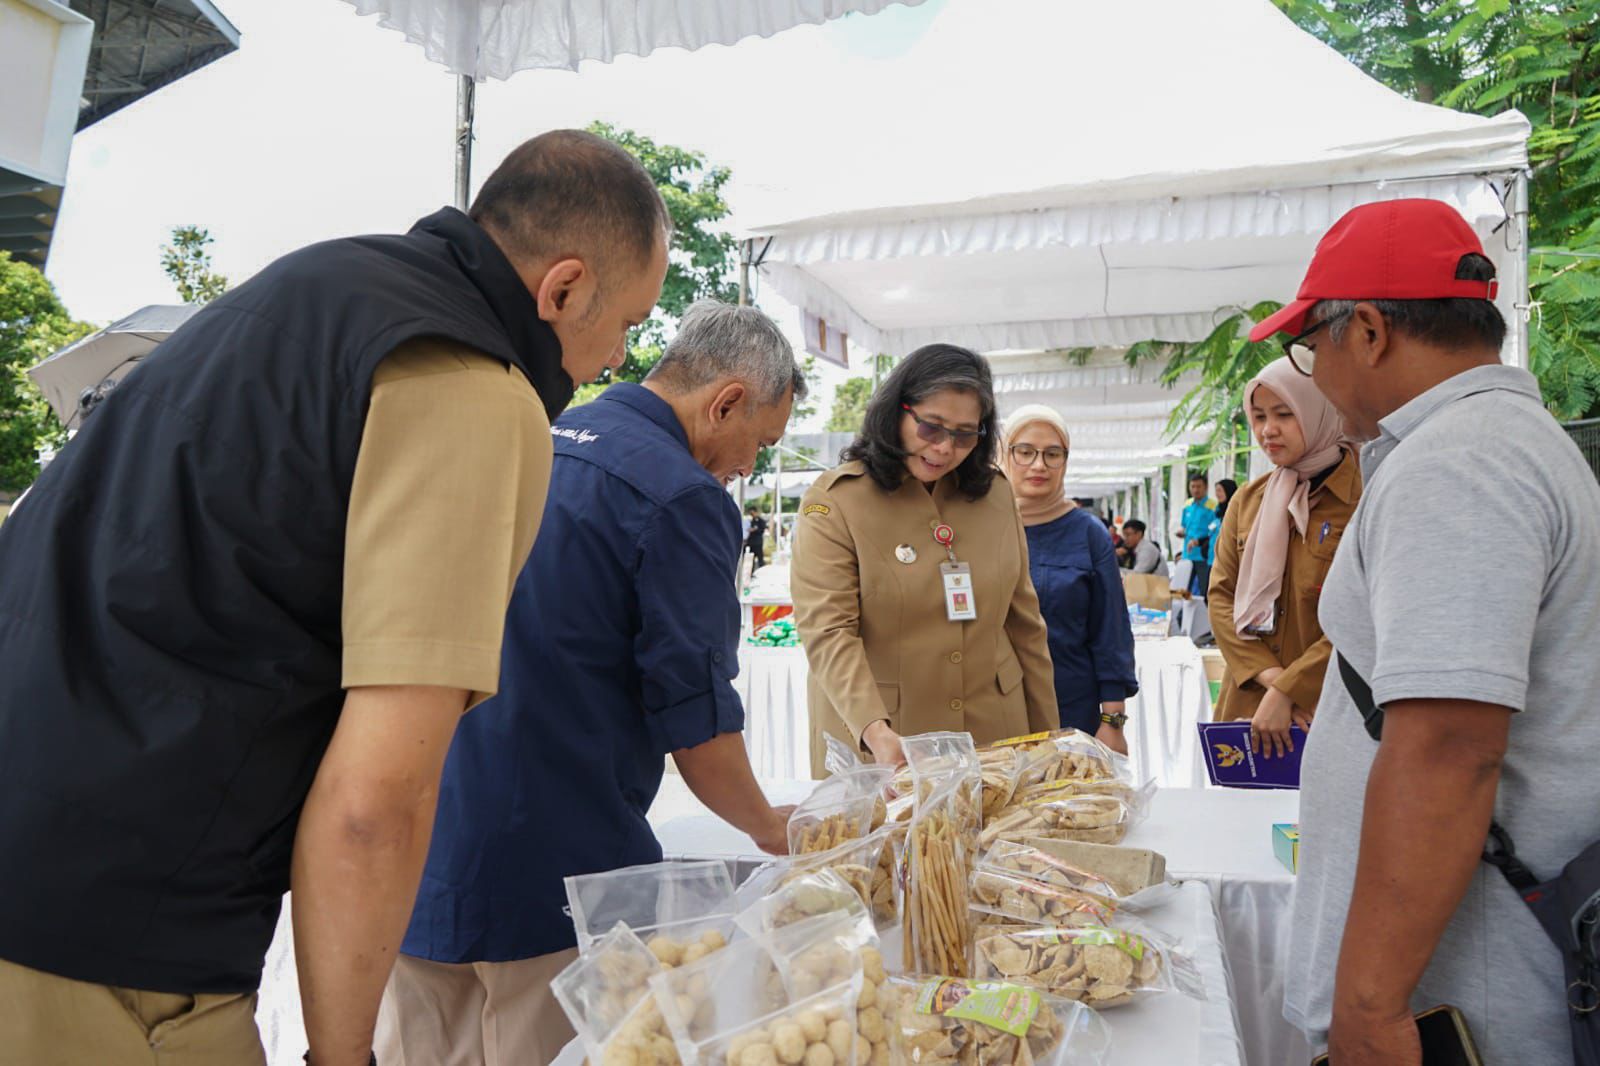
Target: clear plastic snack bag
1103, 966
803, 895
846, 806
1015, 898
675, 901
838, 756
606, 995
1002, 772
944, 1021
744, 1005
1064, 813
1064, 755
937, 864
867, 865
1022, 859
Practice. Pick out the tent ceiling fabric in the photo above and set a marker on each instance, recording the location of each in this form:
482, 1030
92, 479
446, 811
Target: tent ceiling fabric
496, 38
1110, 195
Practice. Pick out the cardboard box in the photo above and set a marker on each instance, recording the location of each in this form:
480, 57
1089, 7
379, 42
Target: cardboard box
1286, 845
1148, 590
1128, 869
1215, 666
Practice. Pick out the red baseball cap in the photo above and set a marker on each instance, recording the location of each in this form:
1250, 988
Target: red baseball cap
1394, 250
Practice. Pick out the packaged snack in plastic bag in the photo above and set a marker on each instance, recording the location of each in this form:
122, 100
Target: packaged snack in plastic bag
745, 1005
803, 895
1064, 814
1021, 859
606, 995
867, 865
1002, 771
936, 754
825, 957
1023, 899
1103, 966
1063, 755
838, 755
846, 806
945, 1021
937, 860
675, 900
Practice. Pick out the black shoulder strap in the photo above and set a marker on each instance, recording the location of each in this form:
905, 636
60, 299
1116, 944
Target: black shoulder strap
1499, 851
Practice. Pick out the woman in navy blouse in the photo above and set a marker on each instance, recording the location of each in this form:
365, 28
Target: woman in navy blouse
1075, 571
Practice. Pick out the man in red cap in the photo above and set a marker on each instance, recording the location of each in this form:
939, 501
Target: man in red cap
1462, 603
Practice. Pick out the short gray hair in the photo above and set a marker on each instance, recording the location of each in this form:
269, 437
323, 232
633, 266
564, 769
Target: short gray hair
716, 341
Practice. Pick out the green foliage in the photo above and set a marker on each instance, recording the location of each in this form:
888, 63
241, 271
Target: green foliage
187, 262
849, 405
703, 257
1226, 361
1488, 56
33, 324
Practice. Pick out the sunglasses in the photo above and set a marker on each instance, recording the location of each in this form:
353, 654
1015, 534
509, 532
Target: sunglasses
1303, 356
934, 433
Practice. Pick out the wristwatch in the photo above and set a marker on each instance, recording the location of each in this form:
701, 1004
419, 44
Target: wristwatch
1115, 721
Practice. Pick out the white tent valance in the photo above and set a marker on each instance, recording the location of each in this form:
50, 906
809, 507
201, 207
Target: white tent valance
496, 38
1115, 191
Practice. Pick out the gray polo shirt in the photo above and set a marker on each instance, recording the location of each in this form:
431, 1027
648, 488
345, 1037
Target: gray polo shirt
1470, 571
1147, 558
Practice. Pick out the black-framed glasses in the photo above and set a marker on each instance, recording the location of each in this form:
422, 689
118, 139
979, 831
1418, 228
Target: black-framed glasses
1303, 356
1055, 456
934, 433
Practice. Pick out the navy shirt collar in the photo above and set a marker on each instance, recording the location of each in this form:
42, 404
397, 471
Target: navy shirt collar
650, 405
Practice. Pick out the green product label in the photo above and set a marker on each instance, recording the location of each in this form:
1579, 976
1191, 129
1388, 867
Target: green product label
1008, 1008
1129, 944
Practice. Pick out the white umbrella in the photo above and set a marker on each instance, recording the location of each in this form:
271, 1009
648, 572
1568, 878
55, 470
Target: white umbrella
478, 39
105, 355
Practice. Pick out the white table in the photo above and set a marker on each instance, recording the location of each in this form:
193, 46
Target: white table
1222, 837
1163, 743
1158, 1030
777, 720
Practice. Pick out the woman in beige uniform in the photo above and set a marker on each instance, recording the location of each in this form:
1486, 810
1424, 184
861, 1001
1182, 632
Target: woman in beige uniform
910, 573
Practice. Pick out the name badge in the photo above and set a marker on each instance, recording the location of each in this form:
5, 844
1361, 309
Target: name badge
959, 606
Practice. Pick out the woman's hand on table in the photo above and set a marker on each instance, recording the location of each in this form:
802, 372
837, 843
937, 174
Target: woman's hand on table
773, 838
1269, 729
884, 743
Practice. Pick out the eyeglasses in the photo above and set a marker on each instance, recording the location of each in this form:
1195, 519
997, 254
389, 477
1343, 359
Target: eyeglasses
934, 433
1303, 356
1024, 455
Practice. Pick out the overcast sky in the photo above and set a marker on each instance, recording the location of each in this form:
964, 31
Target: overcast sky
323, 124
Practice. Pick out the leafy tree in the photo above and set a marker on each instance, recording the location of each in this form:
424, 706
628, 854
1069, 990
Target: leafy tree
849, 405
703, 257
187, 262
33, 324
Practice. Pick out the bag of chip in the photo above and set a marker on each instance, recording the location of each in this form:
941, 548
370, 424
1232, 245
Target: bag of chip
867, 865
1022, 859
846, 806
804, 895
1103, 966
945, 1021
1022, 899
1062, 813
679, 900
1064, 755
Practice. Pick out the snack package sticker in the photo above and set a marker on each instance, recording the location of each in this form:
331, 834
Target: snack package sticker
1130, 944
1008, 1008
1013, 742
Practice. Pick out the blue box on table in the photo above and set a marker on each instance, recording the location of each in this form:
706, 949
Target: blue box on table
1286, 845
1231, 763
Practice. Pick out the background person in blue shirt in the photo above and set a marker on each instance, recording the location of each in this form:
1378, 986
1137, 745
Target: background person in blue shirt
1074, 568
1198, 529
620, 648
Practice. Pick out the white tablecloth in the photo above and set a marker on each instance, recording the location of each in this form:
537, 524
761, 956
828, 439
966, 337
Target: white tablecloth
1173, 697
1159, 1030
1222, 837
777, 723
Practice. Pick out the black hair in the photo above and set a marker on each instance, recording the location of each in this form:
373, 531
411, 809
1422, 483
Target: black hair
930, 369
1133, 525
1450, 322
1199, 475
572, 193
1232, 486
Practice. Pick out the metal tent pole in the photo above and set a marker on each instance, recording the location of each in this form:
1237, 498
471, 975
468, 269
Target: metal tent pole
466, 107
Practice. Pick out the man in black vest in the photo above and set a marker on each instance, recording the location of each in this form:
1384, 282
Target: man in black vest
242, 612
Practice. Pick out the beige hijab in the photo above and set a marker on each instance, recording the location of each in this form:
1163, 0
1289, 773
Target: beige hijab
1287, 498
1038, 512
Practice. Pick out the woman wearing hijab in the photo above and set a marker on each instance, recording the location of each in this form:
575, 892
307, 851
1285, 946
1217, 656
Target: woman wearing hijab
1074, 568
1225, 490
910, 573
1273, 553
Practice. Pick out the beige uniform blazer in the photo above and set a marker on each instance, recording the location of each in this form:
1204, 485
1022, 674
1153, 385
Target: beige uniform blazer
1299, 645
875, 629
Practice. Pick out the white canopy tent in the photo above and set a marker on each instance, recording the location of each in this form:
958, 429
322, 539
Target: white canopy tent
1144, 169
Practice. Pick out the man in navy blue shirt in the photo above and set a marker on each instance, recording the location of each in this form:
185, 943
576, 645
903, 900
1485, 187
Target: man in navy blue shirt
620, 648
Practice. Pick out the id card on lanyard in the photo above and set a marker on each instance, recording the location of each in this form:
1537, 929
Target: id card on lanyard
959, 603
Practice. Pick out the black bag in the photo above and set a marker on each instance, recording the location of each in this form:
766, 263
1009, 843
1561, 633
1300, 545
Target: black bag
1567, 906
